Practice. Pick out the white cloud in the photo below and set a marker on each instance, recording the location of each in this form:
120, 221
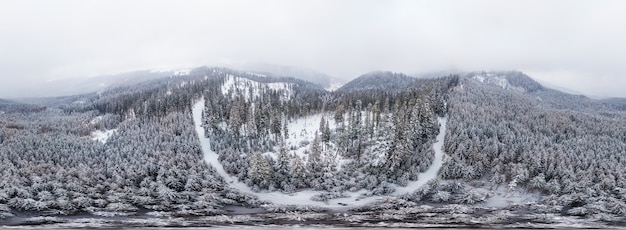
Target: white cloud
73, 38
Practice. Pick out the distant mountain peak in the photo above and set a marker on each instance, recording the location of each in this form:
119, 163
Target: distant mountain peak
302, 73
379, 80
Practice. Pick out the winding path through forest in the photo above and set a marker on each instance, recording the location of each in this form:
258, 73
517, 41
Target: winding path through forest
304, 197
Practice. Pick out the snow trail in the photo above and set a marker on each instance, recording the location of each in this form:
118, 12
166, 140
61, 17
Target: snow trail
433, 170
210, 157
304, 197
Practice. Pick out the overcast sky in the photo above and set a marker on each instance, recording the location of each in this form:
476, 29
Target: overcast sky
579, 45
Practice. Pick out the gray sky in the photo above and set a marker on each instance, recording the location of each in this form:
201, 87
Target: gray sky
574, 44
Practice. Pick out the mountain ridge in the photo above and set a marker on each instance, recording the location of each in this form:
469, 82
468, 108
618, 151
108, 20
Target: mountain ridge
378, 80
510, 145
386, 80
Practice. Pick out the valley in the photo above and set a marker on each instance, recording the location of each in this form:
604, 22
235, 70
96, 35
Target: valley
477, 147
304, 197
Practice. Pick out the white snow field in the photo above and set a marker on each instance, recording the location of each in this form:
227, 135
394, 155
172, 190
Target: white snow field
304, 129
304, 197
102, 136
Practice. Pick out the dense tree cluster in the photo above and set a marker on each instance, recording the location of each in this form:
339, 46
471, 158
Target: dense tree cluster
384, 135
541, 141
504, 130
50, 164
7, 106
379, 80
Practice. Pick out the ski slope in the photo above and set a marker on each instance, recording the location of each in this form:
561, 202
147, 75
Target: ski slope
304, 197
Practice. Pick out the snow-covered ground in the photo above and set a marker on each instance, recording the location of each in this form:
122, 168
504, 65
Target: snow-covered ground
102, 136
504, 197
304, 197
256, 74
303, 130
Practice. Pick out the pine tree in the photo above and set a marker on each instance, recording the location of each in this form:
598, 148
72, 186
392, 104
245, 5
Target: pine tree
260, 171
376, 110
298, 173
315, 163
339, 114
282, 167
321, 128
285, 130
324, 130
326, 133
276, 125
235, 118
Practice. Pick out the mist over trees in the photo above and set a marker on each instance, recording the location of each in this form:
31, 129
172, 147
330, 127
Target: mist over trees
287, 135
539, 140
50, 163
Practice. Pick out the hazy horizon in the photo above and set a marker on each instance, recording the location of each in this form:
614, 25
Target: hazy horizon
576, 45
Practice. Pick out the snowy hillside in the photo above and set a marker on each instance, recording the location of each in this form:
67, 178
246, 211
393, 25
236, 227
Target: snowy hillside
511, 80
93, 84
334, 146
305, 131
497, 80
249, 88
8, 106
379, 80
272, 70
219, 146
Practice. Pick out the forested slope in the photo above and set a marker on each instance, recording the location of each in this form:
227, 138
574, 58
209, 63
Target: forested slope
359, 139
569, 148
134, 149
51, 163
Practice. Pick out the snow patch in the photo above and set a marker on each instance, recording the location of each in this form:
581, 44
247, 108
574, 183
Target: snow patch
102, 136
504, 197
496, 80
302, 130
182, 72
256, 74
95, 120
